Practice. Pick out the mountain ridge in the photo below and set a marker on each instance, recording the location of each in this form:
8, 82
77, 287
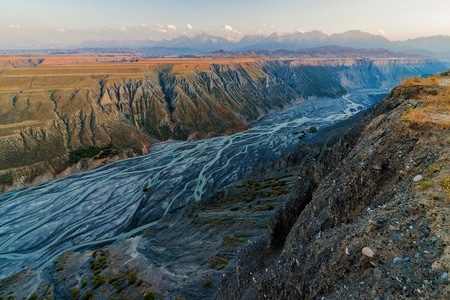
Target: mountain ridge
437, 46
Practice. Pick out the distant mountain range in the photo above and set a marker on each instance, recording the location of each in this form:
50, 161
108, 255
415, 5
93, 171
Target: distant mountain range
434, 46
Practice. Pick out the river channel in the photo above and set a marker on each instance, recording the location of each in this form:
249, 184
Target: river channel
121, 199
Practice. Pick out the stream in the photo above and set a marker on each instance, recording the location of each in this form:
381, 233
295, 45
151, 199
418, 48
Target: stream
121, 199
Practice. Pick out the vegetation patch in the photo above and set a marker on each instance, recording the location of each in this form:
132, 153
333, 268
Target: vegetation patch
75, 294
217, 262
127, 277
435, 111
100, 261
231, 241
8, 281
149, 295
92, 151
426, 183
88, 295
264, 207
208, 283
445, 183
433, 169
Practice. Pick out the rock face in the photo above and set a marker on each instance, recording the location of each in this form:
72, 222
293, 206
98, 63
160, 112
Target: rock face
48, 112
342, 208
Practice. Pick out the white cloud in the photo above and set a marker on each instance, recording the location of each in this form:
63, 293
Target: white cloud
189, 26
15, 26
61, 30
123, 29
164, 28
228, 28
159, 28
381, 32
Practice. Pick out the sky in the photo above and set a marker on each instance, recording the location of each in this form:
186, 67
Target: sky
62, 23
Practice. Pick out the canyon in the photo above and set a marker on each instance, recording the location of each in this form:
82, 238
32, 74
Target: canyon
284, 207
68, 113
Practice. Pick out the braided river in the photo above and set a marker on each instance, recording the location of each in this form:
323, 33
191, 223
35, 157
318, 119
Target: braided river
121, 199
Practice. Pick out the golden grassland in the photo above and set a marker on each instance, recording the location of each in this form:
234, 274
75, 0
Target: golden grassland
432, 115
434, 110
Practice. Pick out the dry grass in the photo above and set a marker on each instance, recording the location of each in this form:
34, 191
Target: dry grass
445, 183
435, 111
429, 81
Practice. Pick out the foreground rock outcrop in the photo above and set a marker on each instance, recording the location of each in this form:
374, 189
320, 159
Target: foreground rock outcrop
366, 226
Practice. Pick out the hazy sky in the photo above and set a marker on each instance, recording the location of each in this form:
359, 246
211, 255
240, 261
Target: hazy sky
38, 23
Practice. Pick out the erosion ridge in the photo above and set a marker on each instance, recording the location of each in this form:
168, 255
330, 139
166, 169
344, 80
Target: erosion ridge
49, 111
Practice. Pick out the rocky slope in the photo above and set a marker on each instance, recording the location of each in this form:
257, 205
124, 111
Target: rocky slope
363, 213
48, 112
371, 225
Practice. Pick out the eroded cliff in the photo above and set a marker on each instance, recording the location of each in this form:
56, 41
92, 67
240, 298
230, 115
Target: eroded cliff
50, 111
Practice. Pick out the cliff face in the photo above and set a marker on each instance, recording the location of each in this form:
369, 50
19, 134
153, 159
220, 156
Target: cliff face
367, 217
48, 111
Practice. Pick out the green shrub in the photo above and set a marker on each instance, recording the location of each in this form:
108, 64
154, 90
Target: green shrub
91, 151
75, 294
432, 169
426, 184
33, 296
312, 130
100, 261
208, 283
232, 241
150, 295
98, 281
88, 295
83, 152
217, 262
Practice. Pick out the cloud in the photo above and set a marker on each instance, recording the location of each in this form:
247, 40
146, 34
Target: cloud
267, 25
381, 31
164, 28
123, 29
189, 26
15, 26
159, 28
62, 30
228, 28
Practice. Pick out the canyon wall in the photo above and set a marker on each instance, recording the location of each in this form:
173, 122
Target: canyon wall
53, 117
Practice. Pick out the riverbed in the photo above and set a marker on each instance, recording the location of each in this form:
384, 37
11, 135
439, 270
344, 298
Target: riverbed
121, 199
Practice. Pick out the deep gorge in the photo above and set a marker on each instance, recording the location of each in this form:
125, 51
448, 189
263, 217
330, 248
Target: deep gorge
160, 102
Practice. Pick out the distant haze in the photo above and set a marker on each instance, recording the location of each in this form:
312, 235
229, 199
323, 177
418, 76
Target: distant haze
60, 23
